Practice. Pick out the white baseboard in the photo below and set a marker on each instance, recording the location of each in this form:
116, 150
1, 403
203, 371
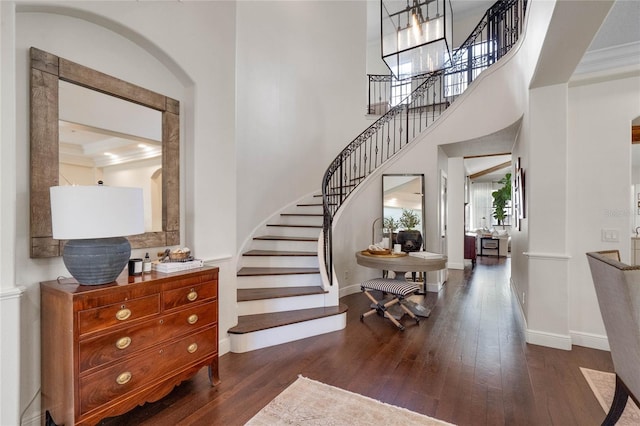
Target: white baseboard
434, 287
36, 420
550, 340
456, 265
541, 338
558, 341
589, 340
224, 345
350, 289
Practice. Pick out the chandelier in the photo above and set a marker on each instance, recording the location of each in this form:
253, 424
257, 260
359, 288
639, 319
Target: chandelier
416, 35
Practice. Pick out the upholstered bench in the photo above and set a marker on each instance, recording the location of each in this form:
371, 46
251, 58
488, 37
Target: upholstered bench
397, 288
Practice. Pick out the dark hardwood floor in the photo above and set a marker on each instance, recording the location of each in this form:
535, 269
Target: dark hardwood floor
467, 364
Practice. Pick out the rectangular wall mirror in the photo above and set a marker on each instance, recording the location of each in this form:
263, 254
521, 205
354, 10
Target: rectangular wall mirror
404, 193
87, 126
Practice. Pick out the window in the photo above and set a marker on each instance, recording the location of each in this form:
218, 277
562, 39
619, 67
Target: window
471, 62
400, 89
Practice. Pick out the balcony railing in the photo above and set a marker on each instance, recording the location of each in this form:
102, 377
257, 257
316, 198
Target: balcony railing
494, 36
408, 107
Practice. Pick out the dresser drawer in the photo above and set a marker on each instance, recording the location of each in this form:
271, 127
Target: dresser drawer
122, 378
179, 297
117, 314
114, 345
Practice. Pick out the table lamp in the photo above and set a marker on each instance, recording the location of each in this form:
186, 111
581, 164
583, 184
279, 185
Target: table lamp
95, 221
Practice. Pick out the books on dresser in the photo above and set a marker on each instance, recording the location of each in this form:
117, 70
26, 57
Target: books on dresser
177, 266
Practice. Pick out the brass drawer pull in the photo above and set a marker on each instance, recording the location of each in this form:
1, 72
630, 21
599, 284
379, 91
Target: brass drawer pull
123, 314
123, 378
192, 319
192, 348
193, 295
123, 342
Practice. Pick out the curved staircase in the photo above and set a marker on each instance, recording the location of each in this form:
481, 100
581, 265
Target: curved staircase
280, 293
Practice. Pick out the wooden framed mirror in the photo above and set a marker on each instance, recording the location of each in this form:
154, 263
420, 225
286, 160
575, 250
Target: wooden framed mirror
47, 70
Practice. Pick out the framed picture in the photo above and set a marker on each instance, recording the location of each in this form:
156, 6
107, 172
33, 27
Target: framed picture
518, 195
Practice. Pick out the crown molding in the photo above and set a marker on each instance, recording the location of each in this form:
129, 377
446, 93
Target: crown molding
609, 61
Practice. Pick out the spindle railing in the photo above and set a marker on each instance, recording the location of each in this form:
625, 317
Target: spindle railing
403, 120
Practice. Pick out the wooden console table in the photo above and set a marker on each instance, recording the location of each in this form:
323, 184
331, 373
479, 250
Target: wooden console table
109, 348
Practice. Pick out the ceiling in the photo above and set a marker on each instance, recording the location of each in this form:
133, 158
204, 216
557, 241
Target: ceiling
88, 146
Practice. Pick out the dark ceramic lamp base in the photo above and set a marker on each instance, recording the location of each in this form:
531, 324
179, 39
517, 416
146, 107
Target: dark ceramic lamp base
96, 261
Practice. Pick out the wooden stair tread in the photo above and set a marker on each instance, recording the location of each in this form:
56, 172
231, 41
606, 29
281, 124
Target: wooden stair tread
283, 238
294, 226
249, 272
302, 214
314, 204
279, 253
248, 294
252, 323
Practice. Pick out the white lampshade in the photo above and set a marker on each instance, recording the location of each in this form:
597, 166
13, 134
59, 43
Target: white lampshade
82, 212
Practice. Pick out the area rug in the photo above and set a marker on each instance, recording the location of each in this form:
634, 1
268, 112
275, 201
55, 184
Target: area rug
308, 402
603, 386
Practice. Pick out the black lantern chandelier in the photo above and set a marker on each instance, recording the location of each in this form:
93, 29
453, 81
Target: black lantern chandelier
416, 35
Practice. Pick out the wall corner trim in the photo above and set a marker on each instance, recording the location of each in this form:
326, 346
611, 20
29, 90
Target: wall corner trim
546, 256
11, 293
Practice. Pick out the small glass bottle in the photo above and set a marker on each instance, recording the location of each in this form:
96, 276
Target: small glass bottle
146, 264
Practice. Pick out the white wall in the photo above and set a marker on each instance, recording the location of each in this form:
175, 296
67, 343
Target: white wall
141, 42
455, 210
599, 169
547, 314
301, 99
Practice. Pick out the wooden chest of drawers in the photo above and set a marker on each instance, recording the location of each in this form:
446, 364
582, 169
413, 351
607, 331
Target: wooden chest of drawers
108, 348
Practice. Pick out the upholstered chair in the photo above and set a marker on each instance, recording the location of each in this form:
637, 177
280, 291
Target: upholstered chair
618, 290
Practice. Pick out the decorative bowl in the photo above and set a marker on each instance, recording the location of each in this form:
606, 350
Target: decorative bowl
179, 255
379, 252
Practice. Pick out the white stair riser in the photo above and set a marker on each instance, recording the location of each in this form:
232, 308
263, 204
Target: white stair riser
284, 245
274, 336
270, 281
306, 209
280, 304
301, 220
288, 231
280, 261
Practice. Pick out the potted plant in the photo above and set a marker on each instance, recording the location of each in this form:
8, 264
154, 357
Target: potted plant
500, 199
390, 224
409, 237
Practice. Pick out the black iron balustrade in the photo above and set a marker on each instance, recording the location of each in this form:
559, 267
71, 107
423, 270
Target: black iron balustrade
408, 107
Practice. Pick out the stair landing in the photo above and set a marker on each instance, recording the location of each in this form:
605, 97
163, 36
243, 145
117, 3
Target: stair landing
253, 323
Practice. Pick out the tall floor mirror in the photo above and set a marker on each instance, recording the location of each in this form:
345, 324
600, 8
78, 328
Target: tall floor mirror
403, 210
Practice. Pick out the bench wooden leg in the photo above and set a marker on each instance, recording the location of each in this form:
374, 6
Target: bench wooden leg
382, 308
411, 314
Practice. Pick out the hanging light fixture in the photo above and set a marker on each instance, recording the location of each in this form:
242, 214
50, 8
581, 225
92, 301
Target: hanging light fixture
416, 35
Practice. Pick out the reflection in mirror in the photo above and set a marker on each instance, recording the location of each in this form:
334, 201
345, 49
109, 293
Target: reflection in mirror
403, 192
47, 70
104, 138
